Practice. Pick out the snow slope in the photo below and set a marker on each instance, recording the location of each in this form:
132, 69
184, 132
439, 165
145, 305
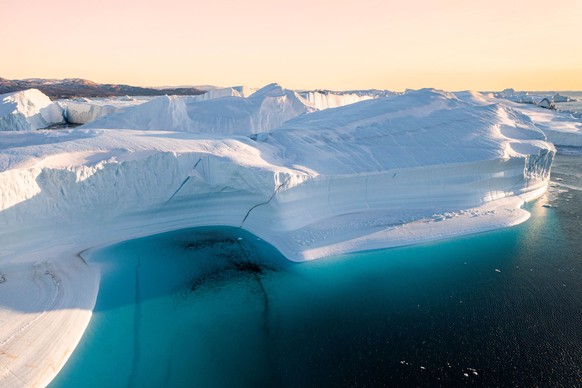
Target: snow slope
28, 110
384, 172
562, 128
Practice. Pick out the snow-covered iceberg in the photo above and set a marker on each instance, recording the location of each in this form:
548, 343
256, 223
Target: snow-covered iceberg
383, 172
28, 110
406, 157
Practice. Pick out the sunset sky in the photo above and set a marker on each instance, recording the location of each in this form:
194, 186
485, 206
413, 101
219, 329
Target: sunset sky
447, 44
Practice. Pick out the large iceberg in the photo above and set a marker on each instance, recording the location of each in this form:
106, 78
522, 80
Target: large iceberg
377, 173
406, 157
28, 110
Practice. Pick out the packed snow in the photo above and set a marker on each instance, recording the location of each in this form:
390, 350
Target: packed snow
386, 171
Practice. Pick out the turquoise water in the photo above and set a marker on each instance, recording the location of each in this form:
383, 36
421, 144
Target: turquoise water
216, 307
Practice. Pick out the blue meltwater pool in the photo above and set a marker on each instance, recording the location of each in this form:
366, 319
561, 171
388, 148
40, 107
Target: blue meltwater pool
217, 307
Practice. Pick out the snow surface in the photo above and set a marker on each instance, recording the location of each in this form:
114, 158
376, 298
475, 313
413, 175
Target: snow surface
384, 172
562, 128
28, 110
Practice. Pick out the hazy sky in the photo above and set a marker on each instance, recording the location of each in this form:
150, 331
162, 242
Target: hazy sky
447, 44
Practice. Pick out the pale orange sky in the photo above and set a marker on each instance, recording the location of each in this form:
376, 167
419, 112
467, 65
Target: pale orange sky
447, 44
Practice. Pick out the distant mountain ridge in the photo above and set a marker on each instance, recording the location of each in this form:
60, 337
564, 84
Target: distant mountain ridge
77, 87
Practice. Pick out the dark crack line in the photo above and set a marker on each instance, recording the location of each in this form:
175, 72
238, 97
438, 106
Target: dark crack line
136, 328
264, 203
264, 294
270, 359
183, 183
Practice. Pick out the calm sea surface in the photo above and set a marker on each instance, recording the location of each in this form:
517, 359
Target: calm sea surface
216, 307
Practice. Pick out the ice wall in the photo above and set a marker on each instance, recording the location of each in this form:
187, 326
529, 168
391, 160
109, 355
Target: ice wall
325, 99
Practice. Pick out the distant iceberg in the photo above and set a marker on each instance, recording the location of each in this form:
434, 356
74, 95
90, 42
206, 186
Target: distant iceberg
559, 98
28, 110
263, 110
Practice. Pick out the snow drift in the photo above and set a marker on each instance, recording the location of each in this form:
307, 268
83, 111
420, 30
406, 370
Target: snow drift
28, 110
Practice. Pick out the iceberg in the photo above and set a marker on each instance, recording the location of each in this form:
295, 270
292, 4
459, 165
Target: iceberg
387, 171
28, 110
559, 98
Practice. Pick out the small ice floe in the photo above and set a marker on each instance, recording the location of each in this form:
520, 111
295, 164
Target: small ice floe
497, 270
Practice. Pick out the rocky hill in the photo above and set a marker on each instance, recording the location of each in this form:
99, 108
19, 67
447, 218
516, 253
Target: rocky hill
76, 87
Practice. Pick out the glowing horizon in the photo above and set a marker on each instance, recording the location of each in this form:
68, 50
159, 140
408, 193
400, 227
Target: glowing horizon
447, 44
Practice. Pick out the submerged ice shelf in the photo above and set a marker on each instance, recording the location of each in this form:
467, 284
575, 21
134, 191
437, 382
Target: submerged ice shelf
387, 171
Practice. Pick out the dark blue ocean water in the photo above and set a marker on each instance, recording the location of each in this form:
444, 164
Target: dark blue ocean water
216, 307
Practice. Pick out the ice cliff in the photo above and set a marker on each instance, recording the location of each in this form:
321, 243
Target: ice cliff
27, 110
325, 99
